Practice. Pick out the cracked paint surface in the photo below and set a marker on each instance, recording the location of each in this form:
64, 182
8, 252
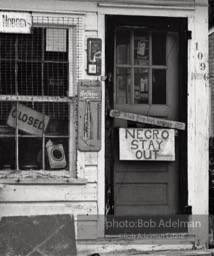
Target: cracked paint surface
49, 235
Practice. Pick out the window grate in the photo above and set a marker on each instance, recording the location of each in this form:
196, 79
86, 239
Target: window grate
38, 72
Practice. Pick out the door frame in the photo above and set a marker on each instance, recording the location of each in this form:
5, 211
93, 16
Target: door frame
111, 21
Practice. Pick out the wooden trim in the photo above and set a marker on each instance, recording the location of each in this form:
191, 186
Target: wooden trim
146, 6
101, 153
39, 177
183, 80
39, 11
35, 98
44, 208
49, 181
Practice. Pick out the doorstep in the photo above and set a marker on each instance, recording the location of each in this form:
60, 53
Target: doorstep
139, 247
199, 252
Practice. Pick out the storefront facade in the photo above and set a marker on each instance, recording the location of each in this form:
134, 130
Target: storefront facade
79, 79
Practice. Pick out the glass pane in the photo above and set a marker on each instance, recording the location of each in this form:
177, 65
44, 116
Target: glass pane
56, 79
30, 153
31, 119
159, 87
29, 79
7, 153
123, 47
123, 86
56, 153
141, 48
5, 108
30, 46
158, 48
58, 122
141, 86
7, 46
7, 77
56, 44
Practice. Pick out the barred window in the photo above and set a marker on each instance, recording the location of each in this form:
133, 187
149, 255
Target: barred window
34, 106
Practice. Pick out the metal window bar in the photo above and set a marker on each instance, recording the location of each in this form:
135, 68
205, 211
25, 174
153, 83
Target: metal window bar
76, 48
28, 98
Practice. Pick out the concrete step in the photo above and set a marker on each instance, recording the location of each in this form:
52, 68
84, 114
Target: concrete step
155, 253
117, 246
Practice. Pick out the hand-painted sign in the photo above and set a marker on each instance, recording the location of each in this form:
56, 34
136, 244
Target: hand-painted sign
89, 115
15, 22
147, 120
147, 144
28, 120
94, 55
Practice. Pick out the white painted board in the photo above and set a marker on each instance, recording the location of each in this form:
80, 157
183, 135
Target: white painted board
15, 22
147, 144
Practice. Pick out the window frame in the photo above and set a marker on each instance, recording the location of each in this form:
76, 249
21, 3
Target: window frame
153, 109
74, 37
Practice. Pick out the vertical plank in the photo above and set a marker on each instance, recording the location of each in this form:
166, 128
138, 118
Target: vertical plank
101, 158
199, 126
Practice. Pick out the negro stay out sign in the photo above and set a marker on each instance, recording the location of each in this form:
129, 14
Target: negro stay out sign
147, 144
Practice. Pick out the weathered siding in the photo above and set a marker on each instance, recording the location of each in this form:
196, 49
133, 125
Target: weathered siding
88, 198
211, 78
39, 197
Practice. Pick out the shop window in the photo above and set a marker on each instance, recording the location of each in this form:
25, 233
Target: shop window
141, 64
34, 106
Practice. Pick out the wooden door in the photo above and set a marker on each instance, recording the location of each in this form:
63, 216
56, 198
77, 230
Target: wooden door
145, 81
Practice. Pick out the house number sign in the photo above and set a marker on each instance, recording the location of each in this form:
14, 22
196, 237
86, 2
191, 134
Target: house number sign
202, 65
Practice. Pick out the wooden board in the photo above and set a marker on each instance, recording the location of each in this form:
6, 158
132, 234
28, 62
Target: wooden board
147, 144
147, 119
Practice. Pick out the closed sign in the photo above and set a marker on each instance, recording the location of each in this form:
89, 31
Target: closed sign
28, 120
147, 144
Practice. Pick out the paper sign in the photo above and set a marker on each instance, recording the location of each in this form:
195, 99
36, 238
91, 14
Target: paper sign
15, 22
28, 120
147, 144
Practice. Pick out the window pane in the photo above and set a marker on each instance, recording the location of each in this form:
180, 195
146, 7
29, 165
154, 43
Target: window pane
30, 46
5, 108
159, 87
7, 46
29, 78
7, 153
56, 79
58, 114
123, 47
56, 44
7, 77
30, 152
55, 118
141, 86
158, 48
141, 48
123, 86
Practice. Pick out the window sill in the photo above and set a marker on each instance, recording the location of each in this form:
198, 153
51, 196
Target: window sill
40, 178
